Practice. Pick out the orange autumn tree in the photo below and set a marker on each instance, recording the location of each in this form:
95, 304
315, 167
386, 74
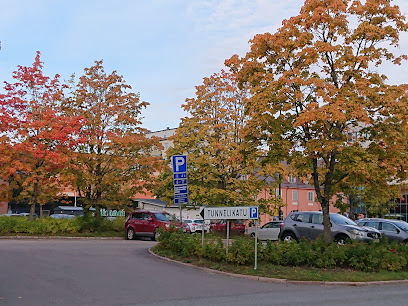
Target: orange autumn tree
114, 161
321, 100
223, 170
36, 137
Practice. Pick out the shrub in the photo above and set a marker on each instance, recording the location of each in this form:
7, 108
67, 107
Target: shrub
213, 250
355, 255
51, 226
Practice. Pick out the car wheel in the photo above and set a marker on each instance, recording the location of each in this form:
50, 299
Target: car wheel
341, 240
288, 237
155, 236
252, 235
130, 235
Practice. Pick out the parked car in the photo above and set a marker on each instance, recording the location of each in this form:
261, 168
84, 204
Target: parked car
309, 225
144, 223
392, 229
236, 226
62, 216
35, 216
176, 223
268, 231
196, 225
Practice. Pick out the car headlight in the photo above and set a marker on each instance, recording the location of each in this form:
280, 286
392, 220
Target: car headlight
357, 232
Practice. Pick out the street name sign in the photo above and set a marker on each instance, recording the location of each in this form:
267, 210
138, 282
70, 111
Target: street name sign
180, 179
229, 213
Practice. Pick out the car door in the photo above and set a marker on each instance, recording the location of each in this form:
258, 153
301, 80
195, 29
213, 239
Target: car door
263, 230
269, 231
136, 222
148, 223
316, 226
391, 231
302, 225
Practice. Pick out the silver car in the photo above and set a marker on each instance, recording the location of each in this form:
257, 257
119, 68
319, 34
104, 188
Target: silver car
309, 225
268, 231
394, 230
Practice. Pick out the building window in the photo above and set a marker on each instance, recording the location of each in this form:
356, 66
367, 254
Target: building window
295, 195
292, 179
277, 192
310, 196
166, 146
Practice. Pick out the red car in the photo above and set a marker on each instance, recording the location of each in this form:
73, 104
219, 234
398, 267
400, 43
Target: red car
236, 226
143, 223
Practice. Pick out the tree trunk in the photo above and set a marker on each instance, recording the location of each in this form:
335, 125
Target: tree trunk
326, 221
33, 201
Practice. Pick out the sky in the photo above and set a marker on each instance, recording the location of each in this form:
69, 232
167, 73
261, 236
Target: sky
162, 48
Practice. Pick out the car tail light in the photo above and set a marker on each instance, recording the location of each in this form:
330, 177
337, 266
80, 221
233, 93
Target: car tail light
280, 225
195, 224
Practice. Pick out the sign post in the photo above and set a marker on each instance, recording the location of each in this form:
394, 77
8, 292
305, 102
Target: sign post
232, 213
180, 180
256, 244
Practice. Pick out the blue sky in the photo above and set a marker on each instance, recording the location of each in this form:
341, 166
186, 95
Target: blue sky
162, 48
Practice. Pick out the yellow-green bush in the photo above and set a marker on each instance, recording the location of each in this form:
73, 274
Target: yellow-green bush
51, 226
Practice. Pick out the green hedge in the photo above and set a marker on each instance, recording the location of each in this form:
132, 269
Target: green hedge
358, 256
51, 226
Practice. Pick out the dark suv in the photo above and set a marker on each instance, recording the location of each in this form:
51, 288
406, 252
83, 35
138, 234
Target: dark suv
392, 229
145, 223
309, 225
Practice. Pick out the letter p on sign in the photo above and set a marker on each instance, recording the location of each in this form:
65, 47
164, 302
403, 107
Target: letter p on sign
253, 213
179, 163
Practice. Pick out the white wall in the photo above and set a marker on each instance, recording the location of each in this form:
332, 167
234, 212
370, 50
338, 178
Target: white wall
186, 213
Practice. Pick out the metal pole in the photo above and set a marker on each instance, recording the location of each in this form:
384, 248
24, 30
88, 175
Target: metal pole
227, 235
181, 216
75, 198
256, 245
203, 230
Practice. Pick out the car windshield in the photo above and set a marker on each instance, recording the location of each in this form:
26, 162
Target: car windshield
402, 225
171, 217
161, 217
198, 221
341, 220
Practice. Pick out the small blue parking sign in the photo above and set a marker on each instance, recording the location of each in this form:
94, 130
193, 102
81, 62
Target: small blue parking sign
253, 212
180, 179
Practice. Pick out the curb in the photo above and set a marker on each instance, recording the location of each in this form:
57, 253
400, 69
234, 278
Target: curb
282, 280
59, 238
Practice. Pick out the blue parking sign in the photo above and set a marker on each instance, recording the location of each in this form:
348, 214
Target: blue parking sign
253, 212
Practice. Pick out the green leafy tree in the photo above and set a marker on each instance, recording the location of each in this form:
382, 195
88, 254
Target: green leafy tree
316, 82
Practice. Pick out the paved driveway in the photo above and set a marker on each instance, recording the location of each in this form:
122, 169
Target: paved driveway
120, 272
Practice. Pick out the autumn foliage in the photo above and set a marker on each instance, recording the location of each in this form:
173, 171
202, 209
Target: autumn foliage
220, 163
87, 138
113, 162
320, 100
36, 136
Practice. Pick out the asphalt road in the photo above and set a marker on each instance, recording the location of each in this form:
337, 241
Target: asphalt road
120, 272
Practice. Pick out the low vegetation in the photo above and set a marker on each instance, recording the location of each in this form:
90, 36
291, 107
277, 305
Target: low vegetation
306, 260
79, 226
